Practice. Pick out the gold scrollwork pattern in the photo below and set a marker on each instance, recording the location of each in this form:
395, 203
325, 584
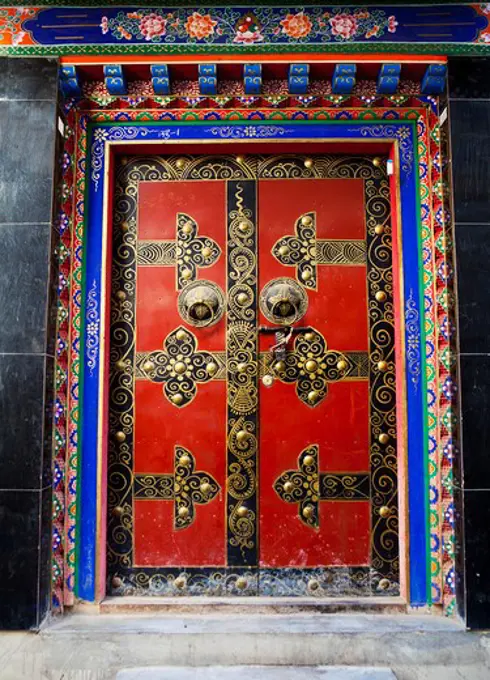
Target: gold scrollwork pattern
242, 374
300, 251
187, 253
305, 252
193, 251
383, 448
156, 253
186, 487
306, 486
340, 251
302, 486
180, 366
121, 379
311, 366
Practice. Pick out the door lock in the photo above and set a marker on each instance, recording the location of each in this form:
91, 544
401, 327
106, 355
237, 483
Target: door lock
282, 335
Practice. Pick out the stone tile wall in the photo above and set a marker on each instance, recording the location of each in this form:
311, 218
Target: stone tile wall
28, 100
469, 98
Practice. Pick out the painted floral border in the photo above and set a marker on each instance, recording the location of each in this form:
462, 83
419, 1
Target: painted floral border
228, 29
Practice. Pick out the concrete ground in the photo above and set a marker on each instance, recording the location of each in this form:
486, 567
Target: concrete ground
234, 646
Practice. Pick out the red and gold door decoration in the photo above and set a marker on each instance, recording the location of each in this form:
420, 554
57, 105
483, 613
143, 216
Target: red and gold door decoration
252, 385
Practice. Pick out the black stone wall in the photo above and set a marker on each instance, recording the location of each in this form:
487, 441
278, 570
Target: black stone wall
28, 93
469, 98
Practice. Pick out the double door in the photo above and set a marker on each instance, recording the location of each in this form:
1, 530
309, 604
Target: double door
252, 443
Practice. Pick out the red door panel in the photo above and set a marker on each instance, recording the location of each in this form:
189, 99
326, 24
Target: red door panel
339, 425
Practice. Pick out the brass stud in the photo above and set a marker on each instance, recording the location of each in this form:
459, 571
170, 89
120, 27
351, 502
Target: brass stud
211, 368
384, 584
183, 512
242, 298
243, 226
268, 380
184, 460
288, 487
383, 438
187, 228
206, 252
186, 274
385, 511
117, 582
242, 511
125, 226
180, 163
241, 367
306, 275
308, 511
180, 582
120, 365
148, 366
118, 511
306, 221
341, 365
241, 435
308, 163
382, 366
205, 488
241, 583
380, 296
177, 399
312, 396
120, 437
377, 162
180, 367
308, 460
240, 159
121, 295
309, 337
313, 584
181, 335
311, 366
379, 229
283, 251
280, 366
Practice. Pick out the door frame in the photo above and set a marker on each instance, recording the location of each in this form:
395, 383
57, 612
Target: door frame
105, 139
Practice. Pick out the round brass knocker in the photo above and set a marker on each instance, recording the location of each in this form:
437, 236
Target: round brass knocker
201, 304
283, 301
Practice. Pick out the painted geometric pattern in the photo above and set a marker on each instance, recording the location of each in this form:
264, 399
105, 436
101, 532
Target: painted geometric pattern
439, 407
63, 225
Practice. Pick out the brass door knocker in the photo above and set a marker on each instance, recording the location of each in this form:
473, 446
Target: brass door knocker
201, 304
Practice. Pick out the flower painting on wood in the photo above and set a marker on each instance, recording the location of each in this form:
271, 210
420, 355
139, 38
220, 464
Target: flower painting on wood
264, 23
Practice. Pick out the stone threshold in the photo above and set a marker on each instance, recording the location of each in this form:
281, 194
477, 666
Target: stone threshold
252, 605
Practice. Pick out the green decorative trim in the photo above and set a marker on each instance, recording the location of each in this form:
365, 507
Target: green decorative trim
451, 49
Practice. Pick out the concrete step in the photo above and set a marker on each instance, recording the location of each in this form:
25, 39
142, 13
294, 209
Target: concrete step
257, 673
140, 640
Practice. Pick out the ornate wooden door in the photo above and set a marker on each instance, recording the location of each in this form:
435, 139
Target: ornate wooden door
252, 384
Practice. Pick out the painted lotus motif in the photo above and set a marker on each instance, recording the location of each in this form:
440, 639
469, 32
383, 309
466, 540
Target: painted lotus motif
297, 25
152, 25
344, 25
200, 26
